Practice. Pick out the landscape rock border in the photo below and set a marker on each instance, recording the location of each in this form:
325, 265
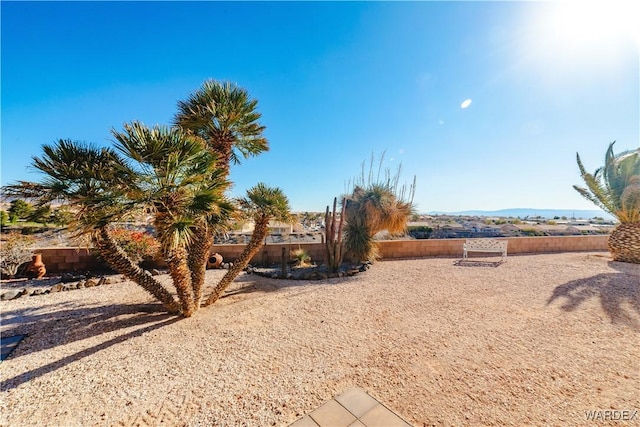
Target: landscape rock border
66, 282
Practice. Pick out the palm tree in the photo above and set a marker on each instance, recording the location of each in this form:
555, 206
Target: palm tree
164, 170
615, 188
178, 180
262, 204
369, 210
95, 181
225, 117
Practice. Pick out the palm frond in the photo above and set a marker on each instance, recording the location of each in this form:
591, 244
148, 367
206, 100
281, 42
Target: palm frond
614, 187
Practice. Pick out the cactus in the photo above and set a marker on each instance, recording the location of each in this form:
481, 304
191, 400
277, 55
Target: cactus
333, 240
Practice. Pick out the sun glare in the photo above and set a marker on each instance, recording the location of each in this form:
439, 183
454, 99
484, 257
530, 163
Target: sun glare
584, 25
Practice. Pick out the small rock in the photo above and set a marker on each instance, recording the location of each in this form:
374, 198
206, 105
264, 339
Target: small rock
37, 292
9, 295
56, 288
69, 277
90, 283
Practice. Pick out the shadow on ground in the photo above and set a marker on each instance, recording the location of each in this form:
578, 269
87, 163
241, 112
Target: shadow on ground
71, 323
618, 293
254, 283
475, 263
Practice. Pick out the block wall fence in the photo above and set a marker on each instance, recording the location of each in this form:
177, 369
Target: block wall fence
59, 260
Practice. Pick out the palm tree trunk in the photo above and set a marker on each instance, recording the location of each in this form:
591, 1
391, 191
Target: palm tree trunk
181, 276
118, 260
624, 243
198, 256
258, 235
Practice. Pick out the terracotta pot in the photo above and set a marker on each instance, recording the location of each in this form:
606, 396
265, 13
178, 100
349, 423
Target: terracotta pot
37, 268
215, 261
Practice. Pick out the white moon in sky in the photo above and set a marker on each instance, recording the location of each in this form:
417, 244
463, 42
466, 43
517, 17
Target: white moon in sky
465, 103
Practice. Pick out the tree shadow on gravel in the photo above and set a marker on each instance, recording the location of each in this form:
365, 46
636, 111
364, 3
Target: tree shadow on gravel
254, 283
616, 292
71, 323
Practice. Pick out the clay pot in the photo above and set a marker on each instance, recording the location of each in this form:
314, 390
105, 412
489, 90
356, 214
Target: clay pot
215, 261
36, 268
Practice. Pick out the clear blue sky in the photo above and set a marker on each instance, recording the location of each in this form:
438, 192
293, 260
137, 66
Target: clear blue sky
337, 81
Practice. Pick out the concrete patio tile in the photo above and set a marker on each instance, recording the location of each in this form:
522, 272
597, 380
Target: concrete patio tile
356, 401
305, 421
357, 423
380, 416
332, 414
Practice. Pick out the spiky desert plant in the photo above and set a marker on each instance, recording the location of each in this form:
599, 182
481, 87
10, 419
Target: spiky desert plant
615, 188
301, 256
226, 118
334, 245
375, 204
95, 182
179, 182
262, 204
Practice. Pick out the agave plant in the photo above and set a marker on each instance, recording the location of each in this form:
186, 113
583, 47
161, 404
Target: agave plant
615, 188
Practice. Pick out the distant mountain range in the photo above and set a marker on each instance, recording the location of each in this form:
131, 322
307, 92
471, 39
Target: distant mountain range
524, 212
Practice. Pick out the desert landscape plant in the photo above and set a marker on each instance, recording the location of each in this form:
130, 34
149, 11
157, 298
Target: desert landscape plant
225, 117
376, 203
15, 250
262, 204
615, 188
177, 175
162, 169
301, 257
138, 245
333, 239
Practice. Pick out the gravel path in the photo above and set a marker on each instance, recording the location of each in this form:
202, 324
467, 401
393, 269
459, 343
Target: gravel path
538, 340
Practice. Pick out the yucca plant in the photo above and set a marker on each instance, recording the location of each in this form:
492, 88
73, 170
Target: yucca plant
375, 204
301, 257
615, 188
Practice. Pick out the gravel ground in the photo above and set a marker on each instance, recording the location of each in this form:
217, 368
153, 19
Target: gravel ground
539, 340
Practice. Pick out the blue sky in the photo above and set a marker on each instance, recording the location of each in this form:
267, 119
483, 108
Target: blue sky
337, 81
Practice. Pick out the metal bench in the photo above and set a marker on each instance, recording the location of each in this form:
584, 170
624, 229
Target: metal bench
485, 245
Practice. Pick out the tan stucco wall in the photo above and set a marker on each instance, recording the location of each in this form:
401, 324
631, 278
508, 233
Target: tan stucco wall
67, 259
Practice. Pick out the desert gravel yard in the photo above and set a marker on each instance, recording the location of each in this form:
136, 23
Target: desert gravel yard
539, 340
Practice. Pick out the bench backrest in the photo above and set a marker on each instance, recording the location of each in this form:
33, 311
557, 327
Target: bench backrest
486, 244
